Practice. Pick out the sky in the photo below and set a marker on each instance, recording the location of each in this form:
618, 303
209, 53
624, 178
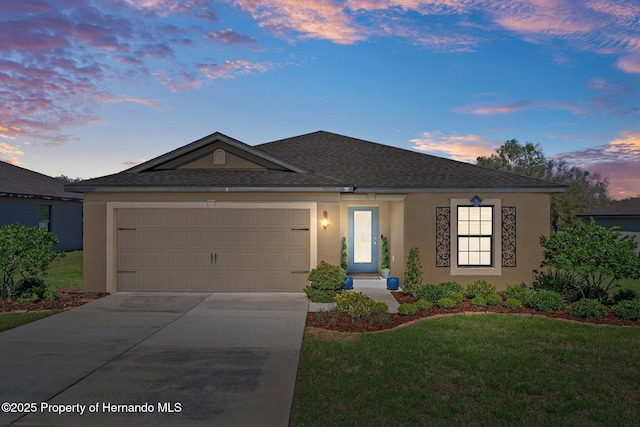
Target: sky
90, 88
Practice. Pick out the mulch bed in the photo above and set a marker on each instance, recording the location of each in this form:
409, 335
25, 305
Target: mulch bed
344, 322
68, 300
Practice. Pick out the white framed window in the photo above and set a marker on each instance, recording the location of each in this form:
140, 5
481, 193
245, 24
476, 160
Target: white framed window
475, 236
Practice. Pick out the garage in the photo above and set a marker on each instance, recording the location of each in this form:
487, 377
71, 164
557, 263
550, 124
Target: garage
211, 250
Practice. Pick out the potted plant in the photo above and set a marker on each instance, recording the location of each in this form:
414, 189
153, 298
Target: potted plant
344, 265
384, 265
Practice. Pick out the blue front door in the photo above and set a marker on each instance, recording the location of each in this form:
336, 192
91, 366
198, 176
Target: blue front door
363, 240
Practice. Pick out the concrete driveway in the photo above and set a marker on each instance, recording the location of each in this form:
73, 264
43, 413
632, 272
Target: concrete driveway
162, 359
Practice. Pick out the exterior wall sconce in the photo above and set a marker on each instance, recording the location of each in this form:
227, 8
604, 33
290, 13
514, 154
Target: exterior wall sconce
325, 221
476, 201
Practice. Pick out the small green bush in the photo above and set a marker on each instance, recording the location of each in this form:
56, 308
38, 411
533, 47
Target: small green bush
518, 292
494, 299
28, 298
431, 293
379, 308
479, 301
544, 300
446, 303
566, 283
451, 286
458, 297
327, 278
319, 295
423, 305
407, 309
628, 309
480, 288
588, 308
51, 295
624, 294
512, 303
355, 304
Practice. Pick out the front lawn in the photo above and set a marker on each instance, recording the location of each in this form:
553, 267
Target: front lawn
13, 320
486, 370
66, 272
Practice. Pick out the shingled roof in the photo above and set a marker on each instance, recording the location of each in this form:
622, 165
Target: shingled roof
19, 182
319, 161
626, 208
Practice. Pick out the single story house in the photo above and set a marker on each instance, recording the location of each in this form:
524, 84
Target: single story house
624, 214
220, 215
38, 200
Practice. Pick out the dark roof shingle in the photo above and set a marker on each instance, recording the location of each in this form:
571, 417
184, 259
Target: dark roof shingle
19, 182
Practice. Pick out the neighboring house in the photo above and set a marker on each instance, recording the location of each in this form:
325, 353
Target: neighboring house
220, 215
38, 200
625, 214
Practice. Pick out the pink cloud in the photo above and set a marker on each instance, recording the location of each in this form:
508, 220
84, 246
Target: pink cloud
232, 69
619, 160
464, 148
9, 153
515, 107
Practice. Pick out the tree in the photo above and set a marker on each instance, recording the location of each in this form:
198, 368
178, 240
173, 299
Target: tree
585, 190
412, 272
343, 255
68, 179
599, 256
25, 252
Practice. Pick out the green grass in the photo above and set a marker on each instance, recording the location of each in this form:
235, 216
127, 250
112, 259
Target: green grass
487, 370
13, 320
66, 272
631, 284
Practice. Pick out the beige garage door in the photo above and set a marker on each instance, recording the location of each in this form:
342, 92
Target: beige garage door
212, 249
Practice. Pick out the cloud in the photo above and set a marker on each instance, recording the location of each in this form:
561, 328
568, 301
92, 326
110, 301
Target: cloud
619, 160
464, 148
231, 37
489, 110
143, 101
232, 69
9, 153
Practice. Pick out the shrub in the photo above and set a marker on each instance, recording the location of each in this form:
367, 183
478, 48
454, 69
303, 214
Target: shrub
543, 300
458, 297
624, 294
423, 305
518, 292
355, 304
480, 288
326, 281
412, 272
379, 308
407, 309
446, 303
567, 284
600, 256
431, 293
319, 295
343, 255
588, 308
628, 309
512, 303
479, 301
494, 299
28, 298
51, 295
451, 286
24, 252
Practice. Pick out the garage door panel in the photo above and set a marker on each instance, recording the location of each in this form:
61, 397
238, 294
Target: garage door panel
213, 249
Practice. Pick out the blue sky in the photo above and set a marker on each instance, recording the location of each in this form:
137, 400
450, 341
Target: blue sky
90, 88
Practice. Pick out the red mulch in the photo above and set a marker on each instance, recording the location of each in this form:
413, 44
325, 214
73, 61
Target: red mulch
344, 322
68, 299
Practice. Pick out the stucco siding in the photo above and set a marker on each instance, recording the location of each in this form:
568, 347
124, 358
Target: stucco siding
532, 220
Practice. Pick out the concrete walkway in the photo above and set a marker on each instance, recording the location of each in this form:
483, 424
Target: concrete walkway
157, 359
374, 288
